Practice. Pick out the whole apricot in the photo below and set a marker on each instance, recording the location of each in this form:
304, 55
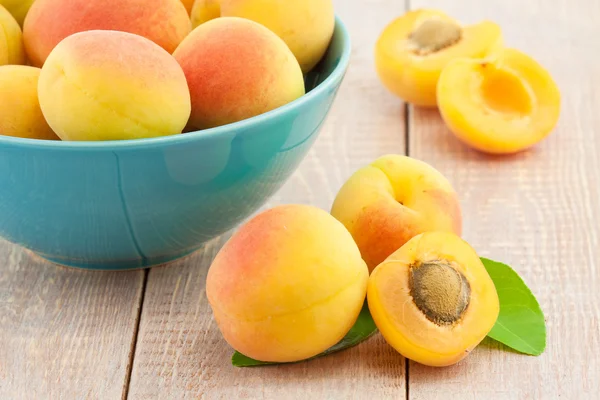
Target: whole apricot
236, 69
500, 104
306, 26
413, 49
433, 300
11, 39
393, 199
111, 85
288, 285
20, 113
165, 22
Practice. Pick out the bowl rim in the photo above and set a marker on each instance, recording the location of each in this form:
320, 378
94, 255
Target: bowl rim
111, 145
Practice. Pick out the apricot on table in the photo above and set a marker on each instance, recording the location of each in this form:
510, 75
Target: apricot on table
236, 69
500, 104
288, 285
20, 114
205, 10
111, 85
393, 199
433, 300
306, 26
11, 39
413, 49
165, 22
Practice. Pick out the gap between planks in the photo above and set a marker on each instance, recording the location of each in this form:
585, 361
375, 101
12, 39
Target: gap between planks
135, 335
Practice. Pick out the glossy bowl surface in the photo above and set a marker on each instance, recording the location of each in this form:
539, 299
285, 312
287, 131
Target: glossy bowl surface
138, 203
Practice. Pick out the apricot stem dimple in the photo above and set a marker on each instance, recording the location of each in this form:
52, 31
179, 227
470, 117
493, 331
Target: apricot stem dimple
434, 34
439, 291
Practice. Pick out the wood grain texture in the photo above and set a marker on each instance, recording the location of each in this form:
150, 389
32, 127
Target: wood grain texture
180, 352
64, 333
537, 211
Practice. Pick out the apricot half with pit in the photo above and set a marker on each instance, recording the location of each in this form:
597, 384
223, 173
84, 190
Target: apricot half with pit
504, 103
433, 300
412, 51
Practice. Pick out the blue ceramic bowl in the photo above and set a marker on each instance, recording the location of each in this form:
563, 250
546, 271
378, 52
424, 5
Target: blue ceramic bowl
137, 203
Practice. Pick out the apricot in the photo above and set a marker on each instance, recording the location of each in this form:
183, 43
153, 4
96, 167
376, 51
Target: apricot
237, 69
393, 199
413, 49
165, 22
432, 299
11, 39
288, 285
111, 85
306, 26
188, 4
501, 104
20, 114
205, 10
18, 8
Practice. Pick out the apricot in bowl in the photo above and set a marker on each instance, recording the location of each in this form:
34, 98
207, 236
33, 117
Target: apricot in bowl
11, 39
433, 300
20, 114
48, 22
413, 49
501, 104
122, 204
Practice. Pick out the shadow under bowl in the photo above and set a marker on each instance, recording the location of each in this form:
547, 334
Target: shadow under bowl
120, 205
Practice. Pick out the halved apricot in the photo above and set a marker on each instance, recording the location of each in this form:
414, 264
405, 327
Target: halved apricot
432, 299
414, 48
504, 103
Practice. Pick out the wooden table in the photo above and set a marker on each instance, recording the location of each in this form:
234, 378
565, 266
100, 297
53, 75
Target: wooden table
70, 334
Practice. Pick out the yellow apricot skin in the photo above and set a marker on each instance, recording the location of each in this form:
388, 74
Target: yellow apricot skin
502, 104
402, 323
204, 10
18, 8
20, 113
394, 198
410, 72
12, 50
306, 26
289, 284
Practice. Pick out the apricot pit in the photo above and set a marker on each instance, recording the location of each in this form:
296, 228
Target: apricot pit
439, 291
432, 299
434, 34
413, 49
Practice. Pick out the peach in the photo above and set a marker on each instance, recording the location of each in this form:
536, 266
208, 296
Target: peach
288, 285
11, 39
237, 69
18, 8
111, 85
165, 22
20, 114
204, 10
393, 199
306, 26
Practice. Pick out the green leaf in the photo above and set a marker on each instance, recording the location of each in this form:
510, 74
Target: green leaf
363, 328
521, 323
